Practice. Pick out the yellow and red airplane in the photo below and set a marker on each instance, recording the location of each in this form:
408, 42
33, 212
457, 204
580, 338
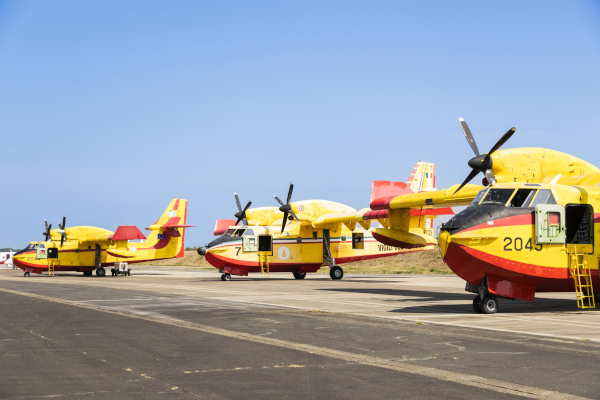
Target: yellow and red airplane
86, 248
532, 228
314, 237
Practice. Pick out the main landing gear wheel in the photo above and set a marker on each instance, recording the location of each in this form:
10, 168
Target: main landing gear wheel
477, 305
299, 275
336, 273
489, 304
100, 272
225, 277
26, 274
87, 273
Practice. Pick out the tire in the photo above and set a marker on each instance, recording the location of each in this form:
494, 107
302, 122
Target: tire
489, 304
299, 275
336, 273
100, 272
225, 277
26, 274
128, 273
477, 305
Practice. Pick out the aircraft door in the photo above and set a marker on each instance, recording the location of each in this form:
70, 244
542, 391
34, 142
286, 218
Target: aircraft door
327, 256
41, 252
265, 245
580, 228
98, 256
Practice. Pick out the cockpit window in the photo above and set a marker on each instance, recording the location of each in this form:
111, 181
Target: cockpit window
497, 196
238, 233
522, 198
41, 246
228, 232
479, 196
544, 196
249, 232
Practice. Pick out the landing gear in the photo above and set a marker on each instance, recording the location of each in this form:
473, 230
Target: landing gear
26, 274
100, 272
489, 304
477, 305
336, 272
225, 277
299, 275
14, 267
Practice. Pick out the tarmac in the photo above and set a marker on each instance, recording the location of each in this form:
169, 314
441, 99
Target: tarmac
179, 332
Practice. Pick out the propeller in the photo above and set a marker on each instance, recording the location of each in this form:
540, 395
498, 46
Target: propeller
481, 162
47, 233
63, 233
287, 208
241, 214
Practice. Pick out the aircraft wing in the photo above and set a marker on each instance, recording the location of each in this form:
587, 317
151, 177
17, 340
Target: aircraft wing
433, 199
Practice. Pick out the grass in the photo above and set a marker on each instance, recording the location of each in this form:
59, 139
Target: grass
422, 263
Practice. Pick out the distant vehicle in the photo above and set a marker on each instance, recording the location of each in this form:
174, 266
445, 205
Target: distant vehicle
86, 248
303, 236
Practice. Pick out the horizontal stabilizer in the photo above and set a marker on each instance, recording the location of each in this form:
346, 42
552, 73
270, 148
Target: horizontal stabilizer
222, 224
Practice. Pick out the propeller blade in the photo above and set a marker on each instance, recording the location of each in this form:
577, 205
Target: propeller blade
280, 202
502, 140
237, 201
294, 215
46, 222
469, 136
247, 206
285, 217
64, 222
238, 221
290, 193
472, 175
244, 213
62, 238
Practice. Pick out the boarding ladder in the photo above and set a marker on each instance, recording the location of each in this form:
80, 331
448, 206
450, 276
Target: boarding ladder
578, 267
327, 256
263, 260
51, 268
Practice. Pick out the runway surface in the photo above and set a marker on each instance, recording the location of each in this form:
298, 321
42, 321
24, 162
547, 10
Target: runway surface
183, 333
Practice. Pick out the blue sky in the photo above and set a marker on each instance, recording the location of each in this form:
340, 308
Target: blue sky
110, 109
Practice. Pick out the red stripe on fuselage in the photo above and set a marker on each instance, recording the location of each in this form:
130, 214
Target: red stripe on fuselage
524, 219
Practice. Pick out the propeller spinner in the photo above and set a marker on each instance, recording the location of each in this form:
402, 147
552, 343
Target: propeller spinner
287, 208
241, 214
63, 233
481, 162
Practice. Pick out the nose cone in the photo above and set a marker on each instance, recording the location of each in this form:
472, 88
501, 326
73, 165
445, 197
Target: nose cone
444, 240
202, 251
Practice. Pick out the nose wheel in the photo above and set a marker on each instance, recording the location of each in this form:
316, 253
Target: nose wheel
487, 305
225, 277
299, 275
26, 274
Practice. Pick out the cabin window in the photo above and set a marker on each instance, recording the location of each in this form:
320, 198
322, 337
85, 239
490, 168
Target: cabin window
358, 241
544, 196
497, 196
478, 198
522, 198
229, 232
315, 235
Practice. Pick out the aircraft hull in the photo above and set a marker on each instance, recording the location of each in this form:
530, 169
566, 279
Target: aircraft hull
473, 265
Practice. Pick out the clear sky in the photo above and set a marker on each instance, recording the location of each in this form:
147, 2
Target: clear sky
109, 109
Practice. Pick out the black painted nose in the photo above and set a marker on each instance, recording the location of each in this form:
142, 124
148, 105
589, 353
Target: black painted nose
202, 251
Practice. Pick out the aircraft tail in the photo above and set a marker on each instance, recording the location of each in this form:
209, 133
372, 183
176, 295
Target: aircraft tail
168, 232
422, 178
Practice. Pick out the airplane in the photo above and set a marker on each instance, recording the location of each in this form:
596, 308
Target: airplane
86, 248
265, 241
530, 227
6, 258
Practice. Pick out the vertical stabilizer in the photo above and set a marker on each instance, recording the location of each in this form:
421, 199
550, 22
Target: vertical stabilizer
422, 178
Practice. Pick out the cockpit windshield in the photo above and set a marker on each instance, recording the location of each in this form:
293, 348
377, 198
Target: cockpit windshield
249, 232
522, 198
478, 198
238, 233
229, 232
497, 196
544, 196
